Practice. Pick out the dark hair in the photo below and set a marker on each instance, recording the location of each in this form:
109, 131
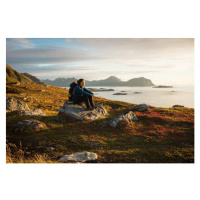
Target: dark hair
80, 80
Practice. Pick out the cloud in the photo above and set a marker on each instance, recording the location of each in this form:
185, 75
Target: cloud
19, 42
101, 57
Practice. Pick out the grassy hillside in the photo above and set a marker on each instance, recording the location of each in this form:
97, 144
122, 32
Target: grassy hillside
161, 135
33, 78
14, 76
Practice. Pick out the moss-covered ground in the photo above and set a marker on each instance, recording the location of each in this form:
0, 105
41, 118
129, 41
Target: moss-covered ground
161, 135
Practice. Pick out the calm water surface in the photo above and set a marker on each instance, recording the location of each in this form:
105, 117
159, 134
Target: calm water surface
159, 97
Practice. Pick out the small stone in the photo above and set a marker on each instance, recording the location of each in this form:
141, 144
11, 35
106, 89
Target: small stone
50, 148
35, 112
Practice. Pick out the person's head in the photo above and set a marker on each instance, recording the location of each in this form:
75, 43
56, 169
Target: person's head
81, 82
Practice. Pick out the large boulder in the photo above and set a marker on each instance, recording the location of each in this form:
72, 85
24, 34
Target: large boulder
32, 112
15, 104
127, 116
79, 112
79, 157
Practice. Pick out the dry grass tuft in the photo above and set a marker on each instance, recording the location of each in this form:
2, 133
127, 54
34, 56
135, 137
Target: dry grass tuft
16, 154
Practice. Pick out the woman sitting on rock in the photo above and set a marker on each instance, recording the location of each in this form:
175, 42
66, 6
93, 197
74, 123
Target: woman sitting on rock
81, 94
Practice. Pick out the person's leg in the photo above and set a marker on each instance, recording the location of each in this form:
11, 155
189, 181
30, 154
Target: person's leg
91, 101
78, 100
86, 101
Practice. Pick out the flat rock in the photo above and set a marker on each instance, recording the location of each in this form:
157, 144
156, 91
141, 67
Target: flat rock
79, 157
127, 116
137, 92
13, 104
79, 112
32, 112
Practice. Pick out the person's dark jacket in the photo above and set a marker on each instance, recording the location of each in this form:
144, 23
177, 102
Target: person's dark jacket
80, 91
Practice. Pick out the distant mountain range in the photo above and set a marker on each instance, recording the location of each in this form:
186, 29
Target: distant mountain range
111, 81
14, 76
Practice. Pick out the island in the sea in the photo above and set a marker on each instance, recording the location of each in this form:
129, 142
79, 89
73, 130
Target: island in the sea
163, 86
99, 89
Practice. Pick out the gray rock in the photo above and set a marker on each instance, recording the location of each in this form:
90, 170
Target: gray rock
127, 116
80, 112
32, 112
15, 104
177, 106
23, 124
79, 157
137, 92
140, 108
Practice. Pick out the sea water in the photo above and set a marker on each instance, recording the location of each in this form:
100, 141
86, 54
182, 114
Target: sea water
159, 97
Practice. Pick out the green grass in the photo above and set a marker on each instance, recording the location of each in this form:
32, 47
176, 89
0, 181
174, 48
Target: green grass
161, 135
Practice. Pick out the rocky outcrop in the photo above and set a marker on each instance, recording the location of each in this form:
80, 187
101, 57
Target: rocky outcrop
127, 116
79, 157
32, 112
13, 104
79, 112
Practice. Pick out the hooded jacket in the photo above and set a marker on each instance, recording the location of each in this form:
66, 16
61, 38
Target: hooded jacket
80, 91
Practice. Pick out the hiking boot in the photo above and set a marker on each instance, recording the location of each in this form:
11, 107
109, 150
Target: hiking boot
90, 108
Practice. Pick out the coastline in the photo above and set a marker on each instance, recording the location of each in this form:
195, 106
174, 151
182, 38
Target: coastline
157, 97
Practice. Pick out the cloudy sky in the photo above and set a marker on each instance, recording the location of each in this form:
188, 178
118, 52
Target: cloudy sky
164, 61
